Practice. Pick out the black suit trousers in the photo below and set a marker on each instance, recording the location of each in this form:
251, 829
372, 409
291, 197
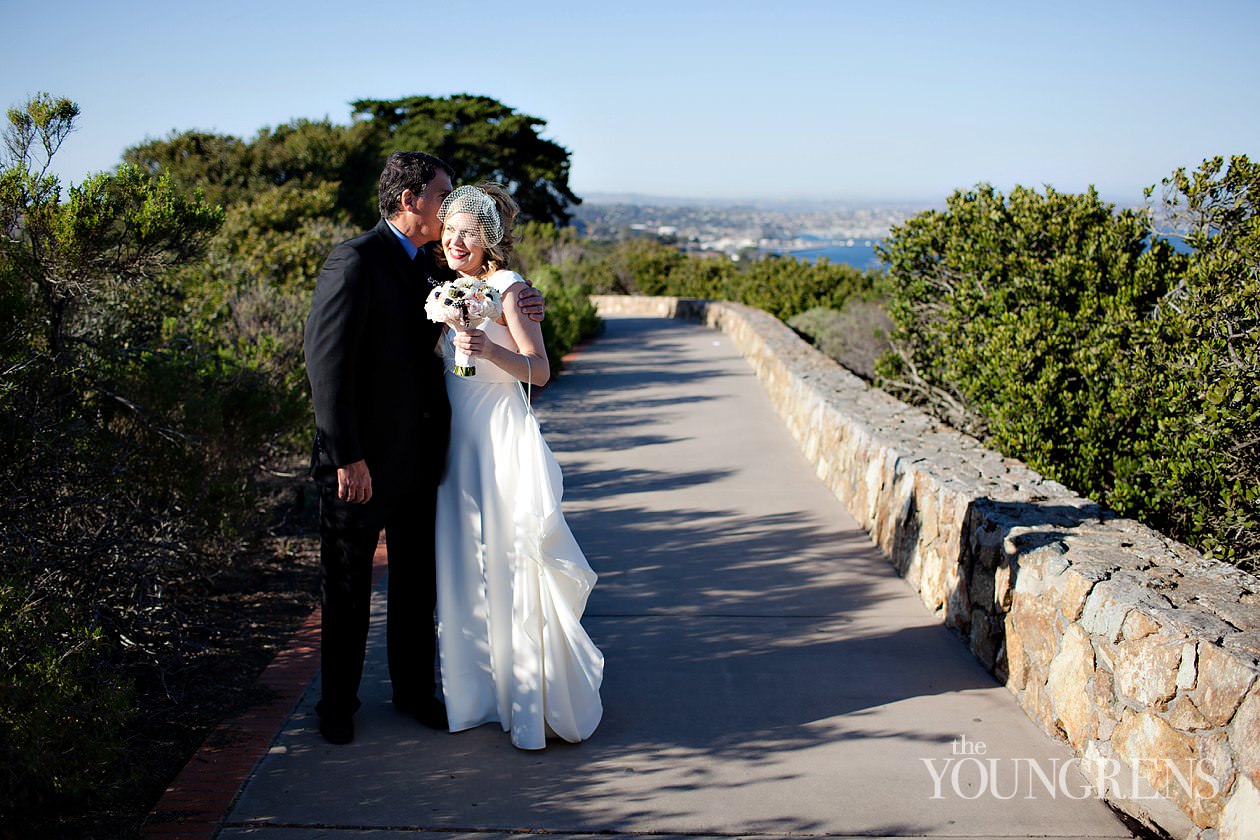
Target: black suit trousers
348, 539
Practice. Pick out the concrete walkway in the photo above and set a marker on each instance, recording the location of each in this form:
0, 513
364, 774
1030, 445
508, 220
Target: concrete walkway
767, 672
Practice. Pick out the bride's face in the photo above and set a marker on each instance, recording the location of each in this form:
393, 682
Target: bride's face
462, 245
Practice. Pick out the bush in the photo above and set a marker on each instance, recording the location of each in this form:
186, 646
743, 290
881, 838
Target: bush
571, 316
856, 336
131, 427
1066, 334
781, 286
1014, 317
62, 717
248, 302
1196, 468
785, 286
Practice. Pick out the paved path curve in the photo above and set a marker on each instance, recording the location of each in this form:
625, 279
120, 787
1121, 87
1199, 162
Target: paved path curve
768, 674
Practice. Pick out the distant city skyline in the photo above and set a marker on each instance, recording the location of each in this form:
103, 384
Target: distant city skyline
841, 101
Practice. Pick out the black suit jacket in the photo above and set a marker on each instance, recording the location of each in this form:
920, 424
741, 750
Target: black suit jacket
376, 382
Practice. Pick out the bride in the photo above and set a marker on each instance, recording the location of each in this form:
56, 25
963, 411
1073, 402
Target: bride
512, 581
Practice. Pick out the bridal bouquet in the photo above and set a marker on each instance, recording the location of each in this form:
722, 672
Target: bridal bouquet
464, 303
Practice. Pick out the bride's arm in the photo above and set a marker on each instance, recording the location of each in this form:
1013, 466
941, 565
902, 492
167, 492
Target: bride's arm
527, 333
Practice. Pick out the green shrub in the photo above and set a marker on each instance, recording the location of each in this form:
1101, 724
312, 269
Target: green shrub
1014, 317
856, 335
139, 387
62, 714
782, 286
571, 316
785, 286
1196, 468
1062, 332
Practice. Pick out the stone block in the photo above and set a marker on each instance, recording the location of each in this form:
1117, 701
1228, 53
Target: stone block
1104, 654
929, 510
1003, 584
1247, 643
1035, 622
985, 635
1037, 703
981, 587
1223, 680
1107, 708
1241, 816
1166, 758
1068, 683
1071, 589
958, 607
1106, 608
1183, 715
1146, 669
1214, 777
1031, 580
1244, 736
1016, 658
1223, 597
1190, 621
1138, 625
1188, 673
984, 538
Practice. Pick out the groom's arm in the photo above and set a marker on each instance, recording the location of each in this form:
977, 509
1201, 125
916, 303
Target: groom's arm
334, 331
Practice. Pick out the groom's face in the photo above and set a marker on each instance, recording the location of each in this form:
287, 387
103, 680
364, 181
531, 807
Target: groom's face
425, 206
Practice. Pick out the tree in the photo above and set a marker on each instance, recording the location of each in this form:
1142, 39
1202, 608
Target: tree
219, 165
114, 230
484, 140
481, 138
230, 171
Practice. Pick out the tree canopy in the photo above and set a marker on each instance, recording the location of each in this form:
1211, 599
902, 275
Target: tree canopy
114, 228
484, 140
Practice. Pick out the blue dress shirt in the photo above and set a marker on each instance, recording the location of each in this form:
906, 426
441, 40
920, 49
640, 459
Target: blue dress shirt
412, 250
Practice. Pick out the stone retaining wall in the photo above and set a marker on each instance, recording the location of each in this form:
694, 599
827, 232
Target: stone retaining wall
1129, 646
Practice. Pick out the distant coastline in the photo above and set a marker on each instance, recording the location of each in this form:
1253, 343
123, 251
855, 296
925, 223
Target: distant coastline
861, 254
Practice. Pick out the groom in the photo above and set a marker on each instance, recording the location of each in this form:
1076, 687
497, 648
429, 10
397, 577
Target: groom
382, 422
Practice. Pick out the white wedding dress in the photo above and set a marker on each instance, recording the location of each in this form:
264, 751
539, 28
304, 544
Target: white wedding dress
512, 581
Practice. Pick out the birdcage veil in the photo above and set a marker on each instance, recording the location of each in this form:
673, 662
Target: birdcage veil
475, 202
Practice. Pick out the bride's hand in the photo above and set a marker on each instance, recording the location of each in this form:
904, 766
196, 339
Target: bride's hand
472, 342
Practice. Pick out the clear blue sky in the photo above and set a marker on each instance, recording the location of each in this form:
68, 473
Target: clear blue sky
876, 100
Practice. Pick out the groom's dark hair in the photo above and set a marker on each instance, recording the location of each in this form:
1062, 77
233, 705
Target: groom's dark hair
407, 171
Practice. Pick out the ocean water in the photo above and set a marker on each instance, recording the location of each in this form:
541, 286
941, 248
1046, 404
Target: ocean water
859, 255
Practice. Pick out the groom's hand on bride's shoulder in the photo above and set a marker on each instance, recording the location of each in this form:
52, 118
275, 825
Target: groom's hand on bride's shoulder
531, 303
